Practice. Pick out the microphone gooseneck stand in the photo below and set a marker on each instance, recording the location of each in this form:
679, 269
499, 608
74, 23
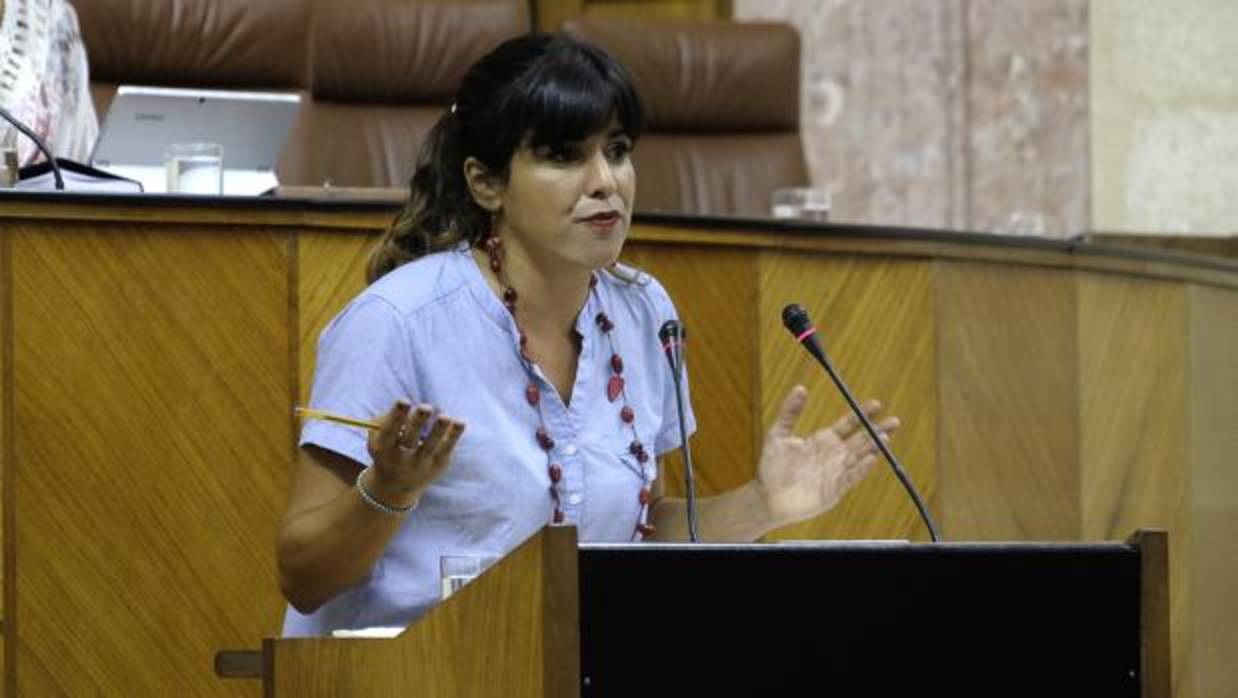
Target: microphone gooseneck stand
795, 318
672, 336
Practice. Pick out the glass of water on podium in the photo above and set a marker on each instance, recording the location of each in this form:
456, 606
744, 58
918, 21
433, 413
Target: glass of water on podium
458, 570
195, 168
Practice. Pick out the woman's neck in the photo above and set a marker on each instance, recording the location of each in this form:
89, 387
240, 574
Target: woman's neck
548, 301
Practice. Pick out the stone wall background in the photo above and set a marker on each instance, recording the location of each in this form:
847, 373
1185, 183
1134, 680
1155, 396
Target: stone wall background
1050, 117
946, 113
1165, 116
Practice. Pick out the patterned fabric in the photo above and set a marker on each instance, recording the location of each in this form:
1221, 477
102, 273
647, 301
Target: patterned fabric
44, 79
433, 331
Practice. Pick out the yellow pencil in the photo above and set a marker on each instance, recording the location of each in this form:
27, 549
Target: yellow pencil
309, 413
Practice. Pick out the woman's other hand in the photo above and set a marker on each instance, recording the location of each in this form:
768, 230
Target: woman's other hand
405, 463
801, 477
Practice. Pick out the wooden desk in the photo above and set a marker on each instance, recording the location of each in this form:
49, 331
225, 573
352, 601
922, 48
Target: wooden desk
153, 347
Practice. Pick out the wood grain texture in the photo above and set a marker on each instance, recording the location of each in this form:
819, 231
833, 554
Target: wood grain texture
514, 631
223, 211
1208, 245
151, 401
8, 596
715, 294
1212, 411
875, 319
970, 247
1156, 651
1009, 439
152, 364
1135, 467
369, 216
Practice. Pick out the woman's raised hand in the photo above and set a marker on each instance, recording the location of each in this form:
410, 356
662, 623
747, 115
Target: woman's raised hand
405, 463
802, 477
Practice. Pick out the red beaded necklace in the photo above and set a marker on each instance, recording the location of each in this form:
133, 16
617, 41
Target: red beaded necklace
615, 390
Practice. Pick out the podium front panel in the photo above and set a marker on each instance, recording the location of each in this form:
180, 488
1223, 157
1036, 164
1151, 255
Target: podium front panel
848, 619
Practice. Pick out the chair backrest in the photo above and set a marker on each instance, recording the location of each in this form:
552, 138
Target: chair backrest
381, 73
722, 110
374, 74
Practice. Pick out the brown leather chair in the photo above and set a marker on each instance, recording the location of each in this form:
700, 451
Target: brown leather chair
722, 98
381, 73
373, 74
722, 110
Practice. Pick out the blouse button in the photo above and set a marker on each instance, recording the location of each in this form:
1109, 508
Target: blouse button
569, 450
574, 499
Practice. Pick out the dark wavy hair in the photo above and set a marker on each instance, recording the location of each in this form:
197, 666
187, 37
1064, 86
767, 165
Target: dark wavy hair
540, 90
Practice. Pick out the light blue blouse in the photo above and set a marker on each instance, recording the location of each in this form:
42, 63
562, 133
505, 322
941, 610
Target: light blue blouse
432, 331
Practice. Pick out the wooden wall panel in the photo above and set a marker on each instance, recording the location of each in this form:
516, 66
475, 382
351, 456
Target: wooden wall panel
715, 293
1132, 427
151, 397
154, 363
1212, 410
6, 433
1006, 366
875, 318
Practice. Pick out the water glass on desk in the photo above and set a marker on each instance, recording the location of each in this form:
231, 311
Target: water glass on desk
195, 168
801, 203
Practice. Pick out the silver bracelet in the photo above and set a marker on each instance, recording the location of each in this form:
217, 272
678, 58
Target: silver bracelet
372, 501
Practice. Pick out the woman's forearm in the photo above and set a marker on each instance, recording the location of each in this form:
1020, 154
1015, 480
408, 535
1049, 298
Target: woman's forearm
325, 550
737, 516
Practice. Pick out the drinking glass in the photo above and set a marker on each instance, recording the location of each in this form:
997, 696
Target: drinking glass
195, 168
802, 203
457, 570
1023, 223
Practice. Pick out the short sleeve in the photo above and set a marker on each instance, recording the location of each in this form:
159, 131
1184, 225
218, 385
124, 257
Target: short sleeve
364, 365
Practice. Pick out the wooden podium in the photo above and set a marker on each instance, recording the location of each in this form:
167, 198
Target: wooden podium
846, 618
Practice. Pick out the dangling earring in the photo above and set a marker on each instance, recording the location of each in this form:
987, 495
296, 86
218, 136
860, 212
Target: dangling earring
493, 245
494, 249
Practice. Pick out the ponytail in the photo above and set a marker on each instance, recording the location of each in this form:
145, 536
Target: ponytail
440, 212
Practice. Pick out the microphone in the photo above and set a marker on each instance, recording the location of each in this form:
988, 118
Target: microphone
672, 336
795, 317
47, 153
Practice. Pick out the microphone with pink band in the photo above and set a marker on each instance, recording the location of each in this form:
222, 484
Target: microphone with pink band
795, 318
672, 335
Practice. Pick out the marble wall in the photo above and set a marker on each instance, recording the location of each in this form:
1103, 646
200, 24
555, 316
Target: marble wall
965, 114
1165, 116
